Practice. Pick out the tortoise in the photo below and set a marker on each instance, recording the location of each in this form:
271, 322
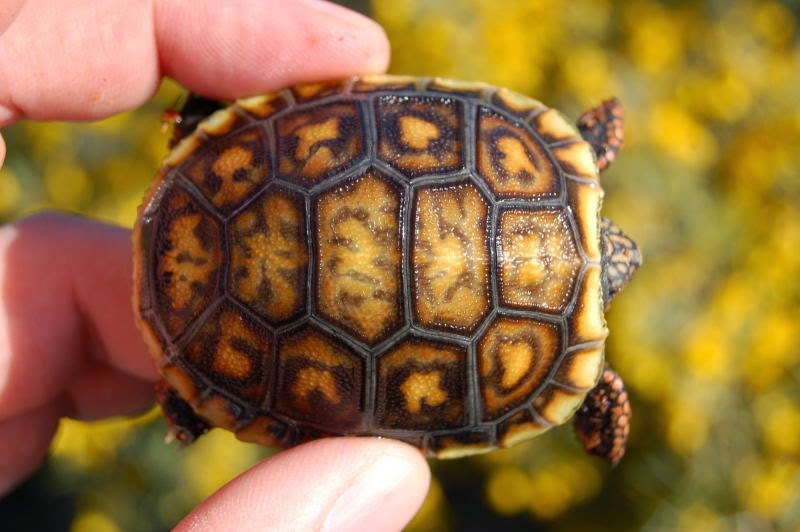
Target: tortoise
414, 258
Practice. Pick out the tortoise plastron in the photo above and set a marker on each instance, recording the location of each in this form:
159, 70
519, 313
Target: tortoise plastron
414, 258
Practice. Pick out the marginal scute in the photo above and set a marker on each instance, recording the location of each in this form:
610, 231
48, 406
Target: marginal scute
181, 152
516, 103
216, 409
585, 200
587, 324
513, 162
556, 405
182, 383
422, 385
262, 106
382, 82
358, 257
269, 256
264, 430
228, 170
577, 158
319, 381
472, 89
221, 123
450, 257
553, 127
514, 357
518, 428
581, 368
539, 260
311, 91
462, 443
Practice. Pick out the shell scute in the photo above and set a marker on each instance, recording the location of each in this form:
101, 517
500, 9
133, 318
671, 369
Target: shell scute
316, 142
228, 170
420, 135
514, 358
450, 257
268, 249
358, 257
422, 385
540, 260
186, 262
234, 352
319, 380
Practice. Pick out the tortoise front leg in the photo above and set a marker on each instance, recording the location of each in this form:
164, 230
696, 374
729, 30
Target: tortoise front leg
602, 422
603, 127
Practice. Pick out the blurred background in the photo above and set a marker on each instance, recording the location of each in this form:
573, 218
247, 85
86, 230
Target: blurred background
706, 336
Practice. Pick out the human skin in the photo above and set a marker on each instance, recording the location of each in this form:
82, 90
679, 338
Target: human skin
68, 344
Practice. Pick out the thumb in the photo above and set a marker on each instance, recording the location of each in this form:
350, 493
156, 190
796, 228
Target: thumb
328, 484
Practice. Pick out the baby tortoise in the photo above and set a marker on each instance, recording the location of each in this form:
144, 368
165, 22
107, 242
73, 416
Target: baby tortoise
420, 259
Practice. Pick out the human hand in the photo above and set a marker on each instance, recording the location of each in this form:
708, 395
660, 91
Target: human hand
68, 344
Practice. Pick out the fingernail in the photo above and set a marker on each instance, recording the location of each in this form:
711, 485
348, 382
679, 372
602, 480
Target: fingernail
363, 505
344, 14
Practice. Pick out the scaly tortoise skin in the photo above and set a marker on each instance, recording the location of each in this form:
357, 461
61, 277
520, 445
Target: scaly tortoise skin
420, 259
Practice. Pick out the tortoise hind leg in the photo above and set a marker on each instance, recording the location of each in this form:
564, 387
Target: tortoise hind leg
602, 422
602, 127
184, 425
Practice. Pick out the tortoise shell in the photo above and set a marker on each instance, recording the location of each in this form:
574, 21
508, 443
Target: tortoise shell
411, 258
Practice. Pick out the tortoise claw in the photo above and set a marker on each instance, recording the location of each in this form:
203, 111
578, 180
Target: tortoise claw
602, 423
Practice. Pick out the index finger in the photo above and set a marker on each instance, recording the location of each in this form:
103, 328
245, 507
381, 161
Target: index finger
218, 49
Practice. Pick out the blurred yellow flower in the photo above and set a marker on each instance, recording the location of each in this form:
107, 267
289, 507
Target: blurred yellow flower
10, 192
774, 22
778, 417
94, 521
508, 490
687, 425
676, 132
215, 459
774, 349
587, 71
433, 514
67, 184
655, 37
767, 488
550, 494
90, 444
700, 518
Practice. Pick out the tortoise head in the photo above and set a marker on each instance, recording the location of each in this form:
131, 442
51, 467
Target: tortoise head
621, 258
